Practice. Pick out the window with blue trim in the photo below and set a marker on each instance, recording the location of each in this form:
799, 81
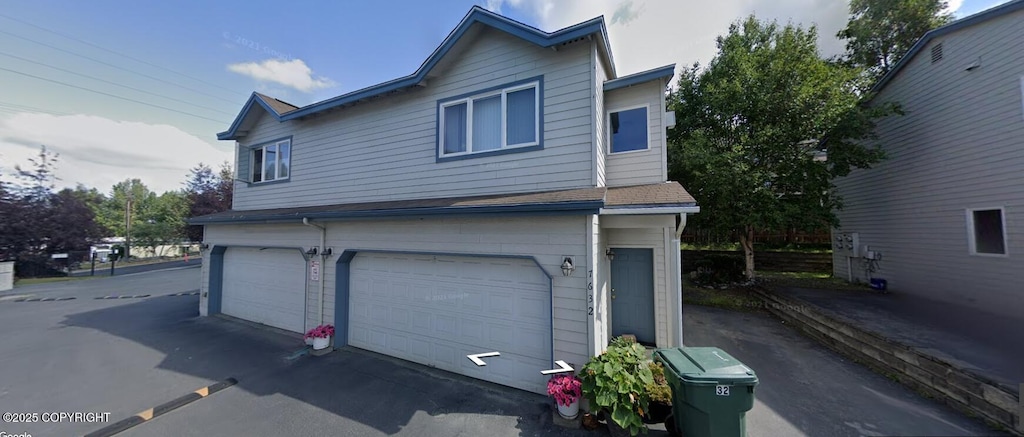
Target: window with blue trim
498, 119
272, 162
628, 130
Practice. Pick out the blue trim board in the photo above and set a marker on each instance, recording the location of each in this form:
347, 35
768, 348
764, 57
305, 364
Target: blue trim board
641, 77
475, 15
342, 282
216, 286
982, 16
584, 207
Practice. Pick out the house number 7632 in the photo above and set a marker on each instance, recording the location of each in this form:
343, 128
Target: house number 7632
590, 292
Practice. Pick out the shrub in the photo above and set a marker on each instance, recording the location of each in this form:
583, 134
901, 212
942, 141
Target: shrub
718, 269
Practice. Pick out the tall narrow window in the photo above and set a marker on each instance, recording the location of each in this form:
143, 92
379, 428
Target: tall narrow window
487, 123
522, 116
986, 231
455, 128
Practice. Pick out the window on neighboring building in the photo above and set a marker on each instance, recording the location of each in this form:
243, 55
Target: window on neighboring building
272, 162
493, 120
628, 130
986, 231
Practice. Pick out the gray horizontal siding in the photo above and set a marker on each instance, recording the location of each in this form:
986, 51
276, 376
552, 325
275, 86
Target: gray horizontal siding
385, 149
960, 145
646, 167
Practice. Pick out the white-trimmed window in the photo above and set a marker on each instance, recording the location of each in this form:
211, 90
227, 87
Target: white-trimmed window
628, 130
986, 231
498, 119
272, 162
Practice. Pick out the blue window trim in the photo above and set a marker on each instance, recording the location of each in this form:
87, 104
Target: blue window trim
503, 151
342, 282
249, 150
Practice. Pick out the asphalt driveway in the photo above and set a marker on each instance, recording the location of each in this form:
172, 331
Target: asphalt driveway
124, 356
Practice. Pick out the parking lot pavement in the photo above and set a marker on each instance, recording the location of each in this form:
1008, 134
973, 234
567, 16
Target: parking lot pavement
807, 390
126, 356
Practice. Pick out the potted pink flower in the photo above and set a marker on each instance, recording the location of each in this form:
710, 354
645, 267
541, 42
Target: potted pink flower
567, 390
321, 336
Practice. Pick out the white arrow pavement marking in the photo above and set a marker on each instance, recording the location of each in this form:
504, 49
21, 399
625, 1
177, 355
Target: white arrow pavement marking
564, 368
477, 357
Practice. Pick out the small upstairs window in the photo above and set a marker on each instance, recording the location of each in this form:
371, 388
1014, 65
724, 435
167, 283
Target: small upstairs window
627, 130
272, 162
986, 231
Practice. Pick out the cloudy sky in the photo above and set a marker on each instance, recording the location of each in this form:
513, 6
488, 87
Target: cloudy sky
128, 89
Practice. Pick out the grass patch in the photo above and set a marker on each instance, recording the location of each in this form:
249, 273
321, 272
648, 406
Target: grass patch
734, 297
823, 281
33, 281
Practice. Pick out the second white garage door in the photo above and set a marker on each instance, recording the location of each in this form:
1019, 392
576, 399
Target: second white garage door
435, 310
265, 286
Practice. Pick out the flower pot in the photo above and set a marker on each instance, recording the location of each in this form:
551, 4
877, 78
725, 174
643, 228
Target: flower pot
570, 411
657, 412
320, 343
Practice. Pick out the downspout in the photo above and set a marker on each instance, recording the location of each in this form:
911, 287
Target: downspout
323, 255
678, 266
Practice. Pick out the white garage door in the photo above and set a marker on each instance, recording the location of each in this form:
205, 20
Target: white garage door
435, 310
265, 286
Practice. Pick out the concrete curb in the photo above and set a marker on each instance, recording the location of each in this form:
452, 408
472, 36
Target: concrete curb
959, 388
161, 409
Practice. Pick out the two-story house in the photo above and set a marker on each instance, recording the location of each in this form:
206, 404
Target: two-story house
510, 196
943, 216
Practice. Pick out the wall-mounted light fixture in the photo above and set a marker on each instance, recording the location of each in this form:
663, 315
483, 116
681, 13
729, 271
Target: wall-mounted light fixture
328, 251
204, 246
568, 266
610, 254
312, 251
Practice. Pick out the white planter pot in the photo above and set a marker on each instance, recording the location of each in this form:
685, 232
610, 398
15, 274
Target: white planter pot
321, 343
569, 412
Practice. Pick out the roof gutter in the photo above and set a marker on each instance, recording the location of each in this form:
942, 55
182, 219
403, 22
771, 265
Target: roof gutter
651, 210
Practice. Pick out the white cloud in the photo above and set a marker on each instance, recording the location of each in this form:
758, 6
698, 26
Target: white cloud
954, 5
293, 73
650, 33
100, 152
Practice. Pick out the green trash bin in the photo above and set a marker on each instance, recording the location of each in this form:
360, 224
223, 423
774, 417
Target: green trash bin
711, 392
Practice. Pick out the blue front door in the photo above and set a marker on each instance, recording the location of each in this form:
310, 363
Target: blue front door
633, 294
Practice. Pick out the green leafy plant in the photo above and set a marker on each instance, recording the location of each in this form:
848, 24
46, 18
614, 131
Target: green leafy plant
616, 382
658, 388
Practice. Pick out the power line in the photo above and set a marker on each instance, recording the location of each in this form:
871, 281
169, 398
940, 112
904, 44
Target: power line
116, 66
115, 83
115, 52
14, 108
110, 95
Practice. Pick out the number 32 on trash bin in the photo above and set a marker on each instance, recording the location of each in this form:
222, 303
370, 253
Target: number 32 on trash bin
722, 390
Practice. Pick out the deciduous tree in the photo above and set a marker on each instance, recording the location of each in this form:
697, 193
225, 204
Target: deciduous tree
880, 32
749, 124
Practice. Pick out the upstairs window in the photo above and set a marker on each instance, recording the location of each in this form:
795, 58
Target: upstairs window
986, 231
498, 119
272, 162
628, 130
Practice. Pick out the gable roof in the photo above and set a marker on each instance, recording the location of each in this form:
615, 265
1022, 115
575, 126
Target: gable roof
641, 77
572, 201
978, 18
476, 15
